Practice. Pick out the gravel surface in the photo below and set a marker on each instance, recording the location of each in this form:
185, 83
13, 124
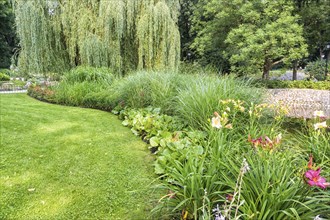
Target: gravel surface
288, 76
301, 102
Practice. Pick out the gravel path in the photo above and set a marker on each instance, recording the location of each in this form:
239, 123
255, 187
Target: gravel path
301, 102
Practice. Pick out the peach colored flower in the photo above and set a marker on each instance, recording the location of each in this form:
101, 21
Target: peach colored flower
216, 122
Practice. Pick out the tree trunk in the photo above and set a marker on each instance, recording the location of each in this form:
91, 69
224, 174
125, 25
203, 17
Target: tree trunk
266, 69
294, 70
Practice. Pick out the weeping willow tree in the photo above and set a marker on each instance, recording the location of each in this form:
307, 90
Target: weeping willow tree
57, 35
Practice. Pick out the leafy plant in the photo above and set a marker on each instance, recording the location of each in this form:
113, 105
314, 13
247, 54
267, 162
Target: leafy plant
197, 102
4, 77
316, 70
89, 74
299, 84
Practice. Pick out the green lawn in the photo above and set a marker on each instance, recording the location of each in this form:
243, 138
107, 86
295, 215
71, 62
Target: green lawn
61, 162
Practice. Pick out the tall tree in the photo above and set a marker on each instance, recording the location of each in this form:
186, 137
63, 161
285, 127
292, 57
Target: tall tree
212, 21
315, 18
7, 33
268, 34
249, 36
122, 34
187, 9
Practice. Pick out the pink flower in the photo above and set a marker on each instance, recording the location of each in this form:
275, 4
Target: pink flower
314, 178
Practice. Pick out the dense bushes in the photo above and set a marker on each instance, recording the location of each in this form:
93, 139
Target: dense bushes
316, 70
4, 77
80, 84
301, 84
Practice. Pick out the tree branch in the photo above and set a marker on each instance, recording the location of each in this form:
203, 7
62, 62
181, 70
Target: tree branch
276, 62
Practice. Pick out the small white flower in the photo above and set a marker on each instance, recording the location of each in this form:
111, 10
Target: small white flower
317, 218
320, 125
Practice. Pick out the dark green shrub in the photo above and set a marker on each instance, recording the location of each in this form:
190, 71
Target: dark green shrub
90, 74
143, 89
4, 77
299, 84
316, 70
78, 85
99, 100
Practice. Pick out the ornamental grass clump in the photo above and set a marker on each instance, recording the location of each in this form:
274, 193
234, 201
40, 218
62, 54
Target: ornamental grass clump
197, 101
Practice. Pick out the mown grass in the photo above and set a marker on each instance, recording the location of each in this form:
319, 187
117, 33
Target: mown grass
61, 162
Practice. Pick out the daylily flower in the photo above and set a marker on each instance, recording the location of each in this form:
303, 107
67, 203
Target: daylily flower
265, 142
314, 179
216, 122
255, 142
320, 125
318, 114
310, 162
220, 121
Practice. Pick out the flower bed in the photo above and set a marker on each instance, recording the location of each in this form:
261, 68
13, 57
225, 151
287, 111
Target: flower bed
220, 153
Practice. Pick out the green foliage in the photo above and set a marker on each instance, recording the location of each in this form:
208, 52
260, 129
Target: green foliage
316, 70
168, 136
315, 18
124, 34
148, 122
278, 30
268, 34
315, 141
274, 189
89, 74
202, 94
143, 89
4, 77
272, 186
82, 86
301, 84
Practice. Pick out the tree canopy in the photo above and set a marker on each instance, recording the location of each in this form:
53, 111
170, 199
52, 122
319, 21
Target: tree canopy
234, 35
56, 35
268, 34
251, 35
7, 33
